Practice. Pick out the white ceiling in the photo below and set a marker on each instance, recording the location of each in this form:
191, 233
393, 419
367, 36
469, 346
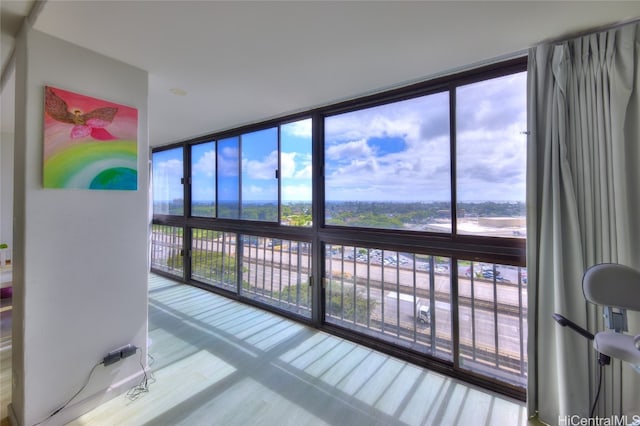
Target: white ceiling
241, 62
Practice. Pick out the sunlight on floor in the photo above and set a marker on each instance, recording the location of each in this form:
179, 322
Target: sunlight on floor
173, 385
219, 362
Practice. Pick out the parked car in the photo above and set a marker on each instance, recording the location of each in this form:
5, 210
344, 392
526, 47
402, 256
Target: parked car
488, 274
423, 315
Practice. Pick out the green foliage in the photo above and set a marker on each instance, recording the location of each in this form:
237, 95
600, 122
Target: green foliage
340, 302
206, 234
203, 210
398, 215
336, 302
167, 230
207, 263
298, 294
174, 261
262, 212
298, 220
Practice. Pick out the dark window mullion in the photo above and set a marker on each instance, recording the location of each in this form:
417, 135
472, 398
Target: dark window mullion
211, 237
453, 168
355, 290
290, 275
521, 322
368, 288
278, 175
382, 319
432, 303
240, 177
264, 265
279, 266
298, 272
272, 269
329, 308
342, 282
186, 180
217, 252
318, 297
239, 263
216, 183
415, 299
186, 211
495, 315
398, 293
473, 312
455, 312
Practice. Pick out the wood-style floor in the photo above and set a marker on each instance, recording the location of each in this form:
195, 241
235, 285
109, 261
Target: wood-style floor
5, 356
220, 362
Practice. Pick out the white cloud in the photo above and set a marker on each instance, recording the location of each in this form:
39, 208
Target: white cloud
166, 180
420, 172
206, 165
294, 165
305, 172
353, 149
261, 169
296, 192
491, 150
228, 161
252, 189
300, 128
287, 164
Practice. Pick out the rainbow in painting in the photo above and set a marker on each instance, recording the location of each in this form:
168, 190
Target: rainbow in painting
88, 143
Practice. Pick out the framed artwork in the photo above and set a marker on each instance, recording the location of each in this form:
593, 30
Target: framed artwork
88, 143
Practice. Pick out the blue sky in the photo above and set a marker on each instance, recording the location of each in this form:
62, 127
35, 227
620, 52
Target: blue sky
259, 162
396, 152
203, 172
401, 151
167, 171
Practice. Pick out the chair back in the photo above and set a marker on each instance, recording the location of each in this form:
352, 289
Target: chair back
612, 284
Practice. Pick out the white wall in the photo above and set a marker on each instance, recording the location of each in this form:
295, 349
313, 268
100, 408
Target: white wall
6, 188
80, 279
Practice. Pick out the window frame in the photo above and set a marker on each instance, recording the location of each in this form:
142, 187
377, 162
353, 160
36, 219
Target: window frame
476, 248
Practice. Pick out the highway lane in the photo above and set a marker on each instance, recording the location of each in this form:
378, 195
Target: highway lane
267, 269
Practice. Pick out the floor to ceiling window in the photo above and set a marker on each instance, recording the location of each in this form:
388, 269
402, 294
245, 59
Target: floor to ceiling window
397, 220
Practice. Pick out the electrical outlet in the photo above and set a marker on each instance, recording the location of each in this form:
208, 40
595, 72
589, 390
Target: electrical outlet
112, 357
118, 354
127, 351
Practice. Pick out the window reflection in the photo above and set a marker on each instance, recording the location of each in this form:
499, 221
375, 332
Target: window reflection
228, 178
167, 172
389, 166
203, 179
295, 173
259, 182
491, 117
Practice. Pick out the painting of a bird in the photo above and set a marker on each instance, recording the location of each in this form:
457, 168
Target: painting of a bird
91, 124
88, 143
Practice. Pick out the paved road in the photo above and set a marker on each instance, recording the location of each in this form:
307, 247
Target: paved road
480, 326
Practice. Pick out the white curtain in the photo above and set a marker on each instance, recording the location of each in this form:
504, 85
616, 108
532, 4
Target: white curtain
583, 196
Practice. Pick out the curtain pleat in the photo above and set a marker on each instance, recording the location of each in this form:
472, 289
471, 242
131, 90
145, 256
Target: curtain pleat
583, 203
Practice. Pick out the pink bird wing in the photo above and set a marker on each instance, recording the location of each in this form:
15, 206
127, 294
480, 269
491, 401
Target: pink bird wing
56, 107
80, 131
97, 122
105, 114
101, 134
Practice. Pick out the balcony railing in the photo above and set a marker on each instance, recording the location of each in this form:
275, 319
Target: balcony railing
401, 298
167, 249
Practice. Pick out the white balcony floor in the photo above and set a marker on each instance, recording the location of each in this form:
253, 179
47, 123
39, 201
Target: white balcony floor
220, 362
